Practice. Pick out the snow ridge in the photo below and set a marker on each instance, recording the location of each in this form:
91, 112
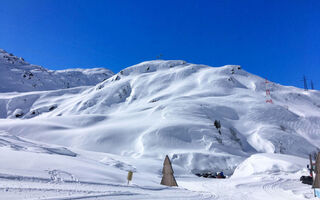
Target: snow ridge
19, 76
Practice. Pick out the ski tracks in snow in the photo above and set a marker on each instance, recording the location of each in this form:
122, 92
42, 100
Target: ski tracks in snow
15, 188
275, 187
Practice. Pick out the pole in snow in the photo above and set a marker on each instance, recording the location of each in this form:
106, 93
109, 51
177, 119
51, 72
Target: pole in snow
305, 85
312, 87
129, 177
268, 93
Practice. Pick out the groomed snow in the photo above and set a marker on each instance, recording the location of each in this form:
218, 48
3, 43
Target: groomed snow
32, 170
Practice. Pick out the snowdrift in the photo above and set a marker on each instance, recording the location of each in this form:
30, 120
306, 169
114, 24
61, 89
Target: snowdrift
269, 164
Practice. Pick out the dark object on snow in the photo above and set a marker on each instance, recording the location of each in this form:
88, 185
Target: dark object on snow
217, 124
167, 171
52, 107
206, 175
306, 180
19, 115
211, 175
220, 175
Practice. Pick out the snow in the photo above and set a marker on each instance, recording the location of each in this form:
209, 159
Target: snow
271, 163
79, 142
20, 76
77, 174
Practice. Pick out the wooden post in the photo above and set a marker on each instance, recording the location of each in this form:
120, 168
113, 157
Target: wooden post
167, 171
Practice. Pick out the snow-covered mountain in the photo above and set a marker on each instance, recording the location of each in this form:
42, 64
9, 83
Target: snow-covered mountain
146, 111
19, 76
169, 107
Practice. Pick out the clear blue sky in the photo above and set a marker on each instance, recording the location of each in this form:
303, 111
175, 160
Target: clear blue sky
277, 39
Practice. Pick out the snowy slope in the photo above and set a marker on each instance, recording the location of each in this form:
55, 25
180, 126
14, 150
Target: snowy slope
16, 75
33, 170
169, 107
136, 117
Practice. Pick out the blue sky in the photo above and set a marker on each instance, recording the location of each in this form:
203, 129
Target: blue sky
277, 39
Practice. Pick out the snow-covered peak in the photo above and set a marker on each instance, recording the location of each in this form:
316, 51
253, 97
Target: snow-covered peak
16, 75
9, 58
151, 66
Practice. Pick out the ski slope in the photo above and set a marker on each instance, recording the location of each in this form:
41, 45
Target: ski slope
79, 142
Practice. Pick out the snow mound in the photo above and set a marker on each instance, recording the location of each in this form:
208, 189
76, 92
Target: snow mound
269, 163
